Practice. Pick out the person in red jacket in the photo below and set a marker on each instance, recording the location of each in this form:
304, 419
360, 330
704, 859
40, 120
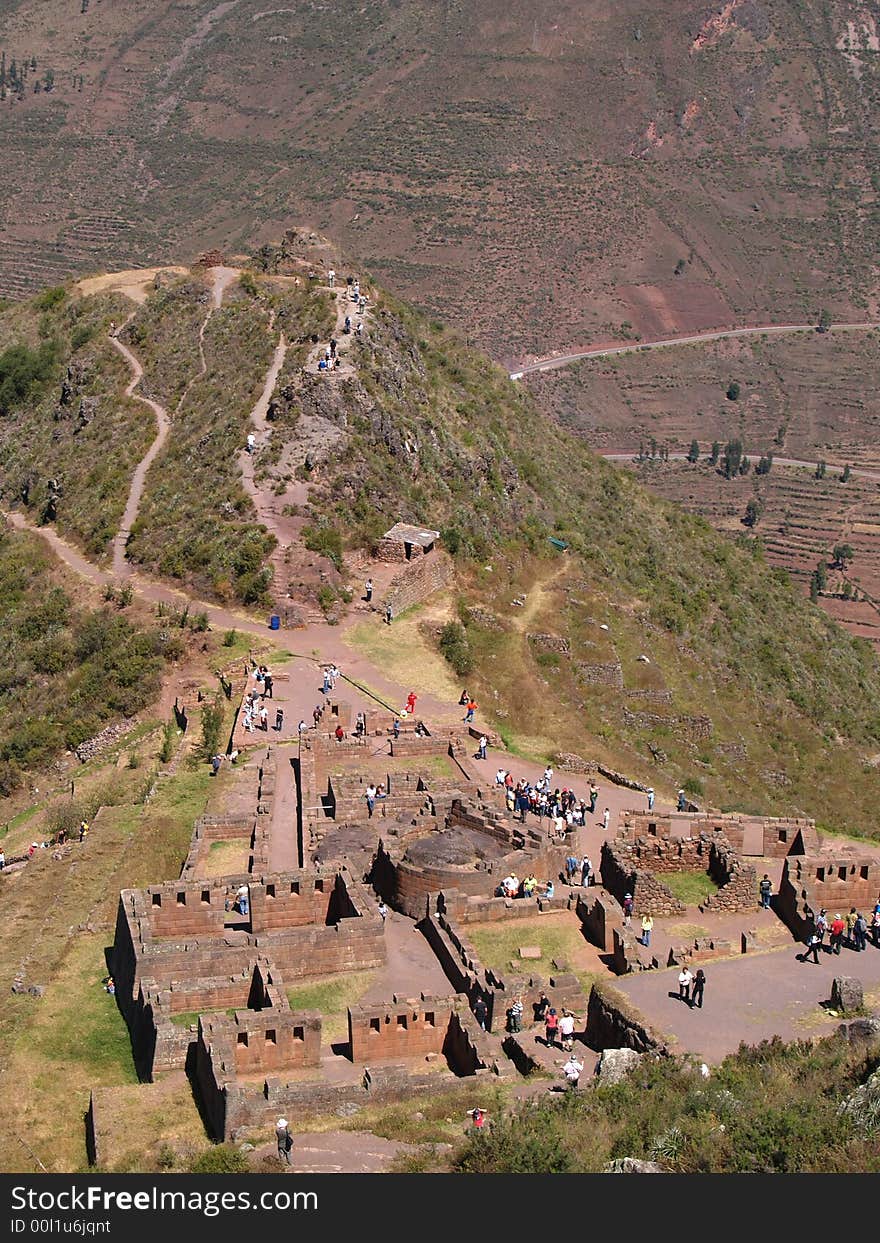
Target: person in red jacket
838, 927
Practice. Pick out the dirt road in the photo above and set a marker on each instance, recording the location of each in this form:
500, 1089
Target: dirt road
552, 362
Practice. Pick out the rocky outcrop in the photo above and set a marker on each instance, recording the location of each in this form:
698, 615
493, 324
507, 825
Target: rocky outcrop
633, 1165
615, 1064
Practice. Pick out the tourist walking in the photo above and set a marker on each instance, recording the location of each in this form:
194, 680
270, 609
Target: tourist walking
572, 1072
586, 871
370, 796
682, 801
471, 709
650, 799
838, 927
594, 795
697, 991
515, 1014
875, 927
483, 743
647, 926
284, 1140
814, 941
389, 614
606, 819
551, 1026
766, 889
850, 928
566, 1030
481, 1013
627, 909
860, 933
685, 980
368, 589
571, 867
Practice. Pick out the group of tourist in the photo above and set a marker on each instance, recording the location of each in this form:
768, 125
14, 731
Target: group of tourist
255, 714
513, 887
850, 931
329, 359
540, 799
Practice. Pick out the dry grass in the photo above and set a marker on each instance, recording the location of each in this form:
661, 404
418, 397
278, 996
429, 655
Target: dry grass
558, 935
403, 654
227, 858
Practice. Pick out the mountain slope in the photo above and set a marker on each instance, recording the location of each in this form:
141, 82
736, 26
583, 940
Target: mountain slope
536, 171
748, 693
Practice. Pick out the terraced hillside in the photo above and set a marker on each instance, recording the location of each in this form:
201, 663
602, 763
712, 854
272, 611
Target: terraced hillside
546, 174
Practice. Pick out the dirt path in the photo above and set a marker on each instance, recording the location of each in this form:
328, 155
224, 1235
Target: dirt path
345, 306
222, 278
552, 362
263, 496
121, 568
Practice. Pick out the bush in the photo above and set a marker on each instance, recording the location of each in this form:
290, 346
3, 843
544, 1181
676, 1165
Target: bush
456, 649
220, 1159
212, 724
229, 638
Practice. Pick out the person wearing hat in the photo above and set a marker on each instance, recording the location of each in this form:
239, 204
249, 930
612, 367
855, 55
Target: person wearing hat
284, 1140
838, 927
627, 909
682, 801
650, 798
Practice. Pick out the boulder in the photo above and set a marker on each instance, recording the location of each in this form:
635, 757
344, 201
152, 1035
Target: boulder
847, 995
867, 1030
632, 1165
615, 1064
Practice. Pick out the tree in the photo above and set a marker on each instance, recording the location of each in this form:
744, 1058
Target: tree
693, 452
844, 478
824, 320
733, 453
820, 470
821, 575
713, 456
680, 267
744, 466
733, 391
764, 465
753, 512
843, 554
814, 586
847, 590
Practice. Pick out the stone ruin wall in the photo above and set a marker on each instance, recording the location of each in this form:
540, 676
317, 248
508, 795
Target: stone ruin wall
422, 576
835, 882
635, 868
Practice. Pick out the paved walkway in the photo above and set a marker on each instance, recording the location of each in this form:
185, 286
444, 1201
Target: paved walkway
336, 1152
749, 999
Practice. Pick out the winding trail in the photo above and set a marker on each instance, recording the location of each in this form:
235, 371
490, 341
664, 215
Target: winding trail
222, 278
121, 568
554, 361
263, 497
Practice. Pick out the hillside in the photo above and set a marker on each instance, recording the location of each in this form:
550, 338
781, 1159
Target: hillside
544, 174
652, 643
69, 668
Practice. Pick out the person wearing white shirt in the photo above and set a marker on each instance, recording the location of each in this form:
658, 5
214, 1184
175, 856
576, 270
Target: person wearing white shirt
685, 980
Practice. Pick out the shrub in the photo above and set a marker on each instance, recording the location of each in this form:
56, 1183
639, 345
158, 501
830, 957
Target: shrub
220, 1159
229, 638
212, 724
456, 649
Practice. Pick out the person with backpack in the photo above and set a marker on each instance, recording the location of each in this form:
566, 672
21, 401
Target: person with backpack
860, 933
586, 871
551, 1027
627, 909
822, 925
850, 928
814, 941
284, 1140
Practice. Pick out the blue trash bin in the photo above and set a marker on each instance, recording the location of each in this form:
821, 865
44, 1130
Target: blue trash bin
274, 622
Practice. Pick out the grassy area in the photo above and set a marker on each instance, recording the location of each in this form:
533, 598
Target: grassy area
226, 858
404, 654
332, 995
691, 888
558, 935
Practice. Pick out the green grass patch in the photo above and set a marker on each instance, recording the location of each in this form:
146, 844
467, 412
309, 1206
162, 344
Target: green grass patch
691, 888
332, 996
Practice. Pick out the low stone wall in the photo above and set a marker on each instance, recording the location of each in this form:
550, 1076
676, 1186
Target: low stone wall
610, 674
693, 726
621, 874
599, 914
613, 1022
